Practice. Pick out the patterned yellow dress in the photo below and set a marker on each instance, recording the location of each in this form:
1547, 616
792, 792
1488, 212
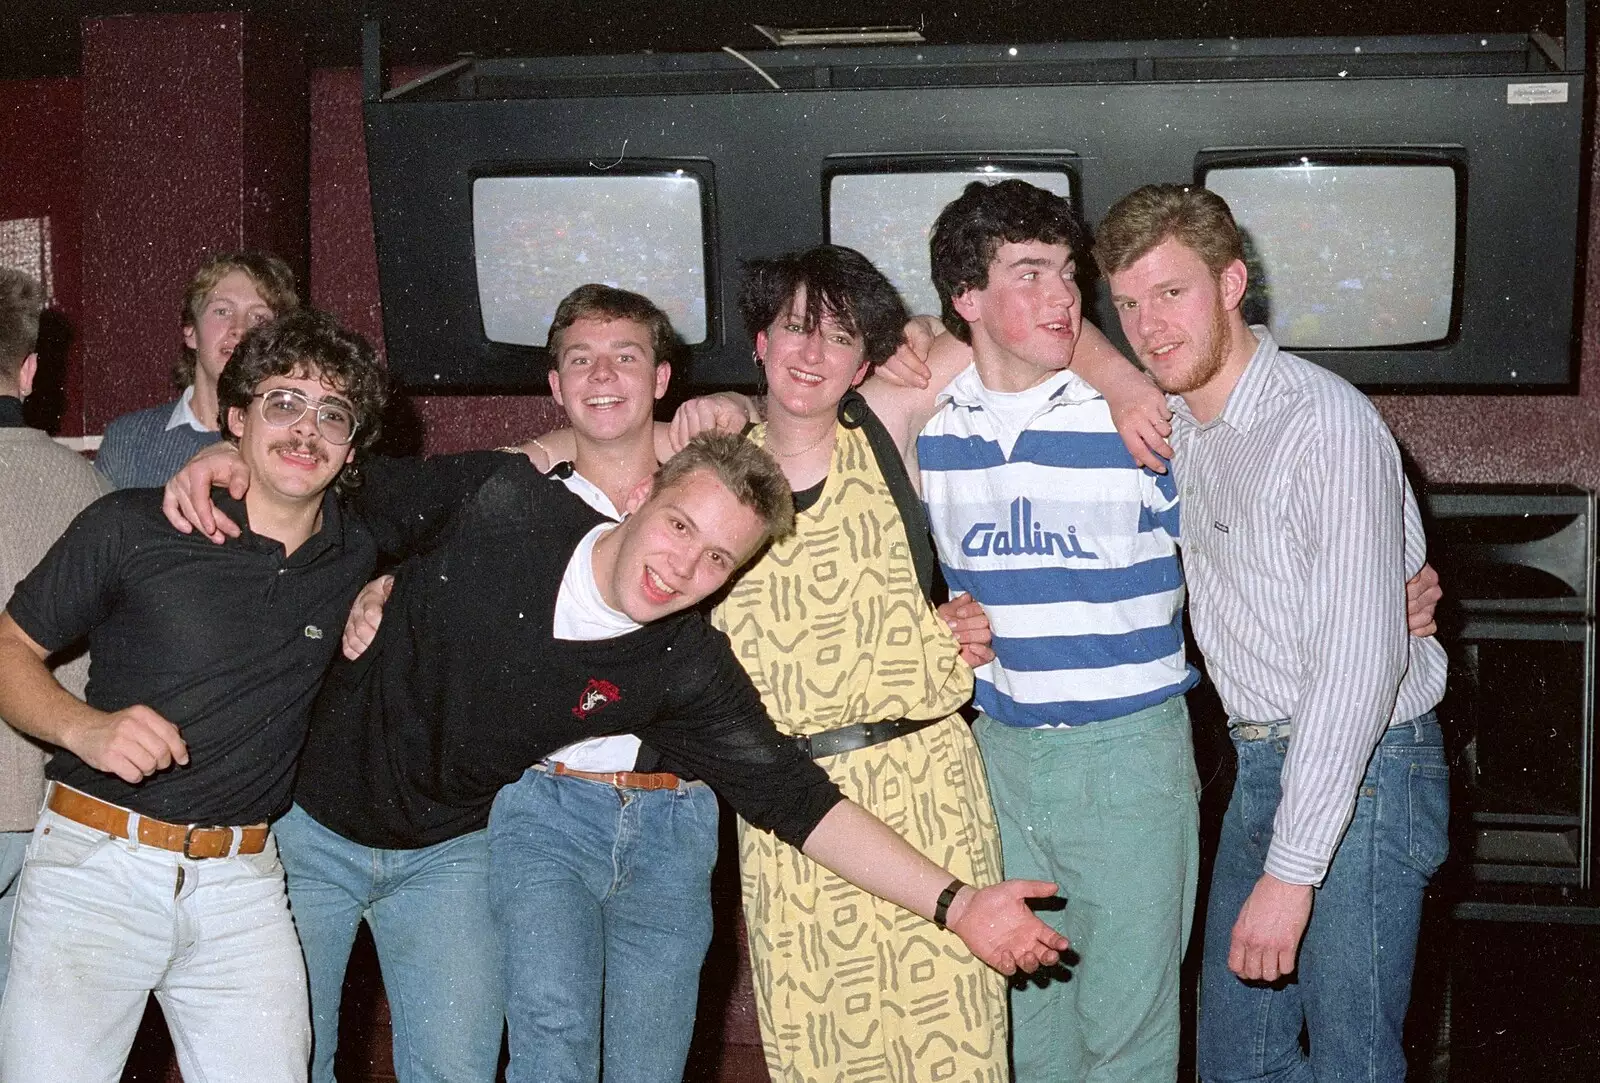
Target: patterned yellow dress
833, 629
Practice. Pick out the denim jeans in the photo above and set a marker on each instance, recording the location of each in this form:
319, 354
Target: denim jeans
602, 896
1352, 982
429, 913
13, 847
103, 922
1109, 812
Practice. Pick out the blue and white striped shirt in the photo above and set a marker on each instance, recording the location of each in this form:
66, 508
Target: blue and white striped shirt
1069, 545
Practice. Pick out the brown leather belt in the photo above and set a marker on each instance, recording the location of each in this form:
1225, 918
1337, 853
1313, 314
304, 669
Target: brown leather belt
627, 780
186, 839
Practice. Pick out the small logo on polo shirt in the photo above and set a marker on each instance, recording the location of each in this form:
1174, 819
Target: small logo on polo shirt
313, 632
595, 696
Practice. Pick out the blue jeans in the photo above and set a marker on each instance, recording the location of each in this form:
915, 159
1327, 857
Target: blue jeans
602, 897
429, 913
1352, 983
1109, 812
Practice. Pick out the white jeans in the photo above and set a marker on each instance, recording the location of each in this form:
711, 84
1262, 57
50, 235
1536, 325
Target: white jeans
102, 922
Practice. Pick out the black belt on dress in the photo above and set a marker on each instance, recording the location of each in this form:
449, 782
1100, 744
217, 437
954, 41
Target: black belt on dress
860, 735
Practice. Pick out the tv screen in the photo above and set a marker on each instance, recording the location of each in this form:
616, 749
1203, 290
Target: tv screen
888, 213
1348, 254
536, 238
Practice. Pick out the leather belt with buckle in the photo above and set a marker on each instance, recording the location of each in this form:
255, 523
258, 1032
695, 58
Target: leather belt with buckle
860, 735
190, 840
626, 780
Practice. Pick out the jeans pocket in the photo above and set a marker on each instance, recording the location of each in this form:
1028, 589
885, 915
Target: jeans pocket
62, 844
1428, 815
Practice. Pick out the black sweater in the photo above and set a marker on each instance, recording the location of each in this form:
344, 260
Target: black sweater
465, 686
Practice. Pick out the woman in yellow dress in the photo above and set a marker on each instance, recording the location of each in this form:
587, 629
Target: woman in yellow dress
835, 629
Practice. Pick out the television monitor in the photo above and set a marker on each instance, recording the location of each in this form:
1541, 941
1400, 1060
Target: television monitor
538, 236
1349, 251
885, 210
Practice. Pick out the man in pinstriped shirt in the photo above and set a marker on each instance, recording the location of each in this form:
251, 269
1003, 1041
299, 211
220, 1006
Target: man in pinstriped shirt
1299, 533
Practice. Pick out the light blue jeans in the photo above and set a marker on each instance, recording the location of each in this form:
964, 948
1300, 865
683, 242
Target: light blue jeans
13, 847
1352, 981
103, 922
1109, 812
602, 897
429, 913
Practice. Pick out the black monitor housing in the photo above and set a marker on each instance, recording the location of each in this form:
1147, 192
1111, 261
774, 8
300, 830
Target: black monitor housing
765, 135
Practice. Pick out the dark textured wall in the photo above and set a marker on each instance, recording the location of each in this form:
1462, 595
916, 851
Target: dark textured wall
192, 142
1517, 438
41, 121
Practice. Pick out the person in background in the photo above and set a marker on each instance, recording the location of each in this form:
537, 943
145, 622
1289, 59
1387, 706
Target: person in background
1300, 532
230, 294
42, 486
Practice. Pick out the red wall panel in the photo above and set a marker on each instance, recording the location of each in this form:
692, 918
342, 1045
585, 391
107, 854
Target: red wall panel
41, 151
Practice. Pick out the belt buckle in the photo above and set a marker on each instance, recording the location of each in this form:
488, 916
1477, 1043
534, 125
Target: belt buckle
188, 837
804, 742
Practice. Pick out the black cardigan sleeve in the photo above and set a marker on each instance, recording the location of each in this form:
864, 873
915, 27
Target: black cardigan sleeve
713, 725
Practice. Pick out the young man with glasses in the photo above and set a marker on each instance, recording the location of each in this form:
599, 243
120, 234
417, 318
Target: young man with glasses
205, 662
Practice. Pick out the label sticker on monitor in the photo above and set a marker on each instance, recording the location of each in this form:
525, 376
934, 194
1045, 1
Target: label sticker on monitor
1536, 93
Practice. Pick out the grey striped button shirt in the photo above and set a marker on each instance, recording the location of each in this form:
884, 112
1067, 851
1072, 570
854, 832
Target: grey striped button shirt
1299, 533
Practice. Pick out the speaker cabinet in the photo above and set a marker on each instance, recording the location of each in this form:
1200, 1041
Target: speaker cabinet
1518, 568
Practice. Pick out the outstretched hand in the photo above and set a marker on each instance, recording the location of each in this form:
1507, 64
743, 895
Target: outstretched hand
187, 500
998, 927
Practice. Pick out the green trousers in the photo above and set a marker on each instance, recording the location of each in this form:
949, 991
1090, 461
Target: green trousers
1109, 812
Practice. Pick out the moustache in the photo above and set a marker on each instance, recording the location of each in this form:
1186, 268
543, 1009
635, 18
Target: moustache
312, 449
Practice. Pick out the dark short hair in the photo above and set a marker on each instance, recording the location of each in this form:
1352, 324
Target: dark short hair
745, 470
21, 302
599, 302
973, 226
1197, 218
839, 282
273, 281
308, 343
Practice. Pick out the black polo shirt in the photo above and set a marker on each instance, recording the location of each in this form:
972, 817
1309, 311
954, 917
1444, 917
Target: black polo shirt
228, 642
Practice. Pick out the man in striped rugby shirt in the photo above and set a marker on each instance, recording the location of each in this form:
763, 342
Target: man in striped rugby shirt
1300, 531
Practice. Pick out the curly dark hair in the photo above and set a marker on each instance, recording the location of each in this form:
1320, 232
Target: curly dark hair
973, 226
594, 301
839, 282
308, 342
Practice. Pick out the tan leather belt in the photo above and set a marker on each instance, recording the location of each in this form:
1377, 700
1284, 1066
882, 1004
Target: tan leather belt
627, 780
186, 839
